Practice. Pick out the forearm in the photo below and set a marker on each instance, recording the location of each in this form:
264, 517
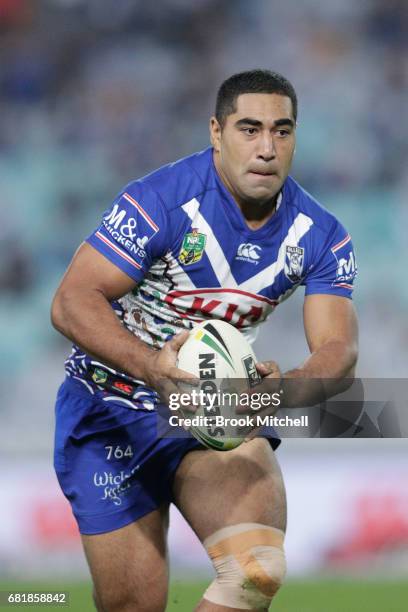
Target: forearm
87, 318
327, 372
333, 360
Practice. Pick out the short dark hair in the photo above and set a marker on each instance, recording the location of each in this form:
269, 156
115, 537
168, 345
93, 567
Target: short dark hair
251, 81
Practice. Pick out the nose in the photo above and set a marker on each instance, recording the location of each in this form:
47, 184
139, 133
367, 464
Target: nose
266, 147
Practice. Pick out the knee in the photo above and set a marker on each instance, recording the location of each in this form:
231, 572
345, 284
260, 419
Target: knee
250, 565
121, 600
264, 571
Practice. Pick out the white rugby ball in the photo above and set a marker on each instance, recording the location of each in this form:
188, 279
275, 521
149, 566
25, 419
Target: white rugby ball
221, 357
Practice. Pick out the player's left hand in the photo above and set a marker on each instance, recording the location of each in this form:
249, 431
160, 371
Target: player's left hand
271, 383
272, 379
269, 369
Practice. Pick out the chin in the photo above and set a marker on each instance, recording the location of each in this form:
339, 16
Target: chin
263, 192
261, 196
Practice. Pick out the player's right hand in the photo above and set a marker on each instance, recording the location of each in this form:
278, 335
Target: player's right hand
162, 373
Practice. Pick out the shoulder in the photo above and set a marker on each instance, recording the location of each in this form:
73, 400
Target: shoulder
301, 201
176, 183
329, 260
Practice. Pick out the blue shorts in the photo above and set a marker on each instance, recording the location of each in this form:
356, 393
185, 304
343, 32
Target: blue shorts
110, 463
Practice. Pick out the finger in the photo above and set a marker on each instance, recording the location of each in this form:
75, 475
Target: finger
242, 410
190, 409
248, 432
178, 375
178, 340
166, 388
267, 368
180, 393
252, 434
181, 421
261, 367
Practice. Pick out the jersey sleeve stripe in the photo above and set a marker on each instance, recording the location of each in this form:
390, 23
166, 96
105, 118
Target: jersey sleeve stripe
142, 211
117, 250
341, 244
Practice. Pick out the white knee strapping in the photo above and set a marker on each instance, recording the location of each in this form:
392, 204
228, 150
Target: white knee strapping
250, 565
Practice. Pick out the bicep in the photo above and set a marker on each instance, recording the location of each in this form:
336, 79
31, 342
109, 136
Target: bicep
91, 270
329, 318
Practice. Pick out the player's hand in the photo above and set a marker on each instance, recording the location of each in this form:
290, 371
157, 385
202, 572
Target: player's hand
268, 369
271, 383
161, 371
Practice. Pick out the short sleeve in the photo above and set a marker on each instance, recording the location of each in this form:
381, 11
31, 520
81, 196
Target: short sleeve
335, 269
133, 231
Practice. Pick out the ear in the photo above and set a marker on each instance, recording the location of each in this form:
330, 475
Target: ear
215, 134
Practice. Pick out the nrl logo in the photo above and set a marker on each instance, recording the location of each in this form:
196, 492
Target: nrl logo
192, 248
294, 260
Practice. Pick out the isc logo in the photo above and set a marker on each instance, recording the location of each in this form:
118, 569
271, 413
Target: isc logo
249, 252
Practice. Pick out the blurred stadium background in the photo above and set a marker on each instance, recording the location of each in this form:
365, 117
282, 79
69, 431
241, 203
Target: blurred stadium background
93, 94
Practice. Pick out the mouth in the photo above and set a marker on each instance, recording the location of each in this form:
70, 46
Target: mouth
261, 173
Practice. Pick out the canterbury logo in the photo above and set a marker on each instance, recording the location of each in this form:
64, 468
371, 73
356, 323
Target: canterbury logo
249, 251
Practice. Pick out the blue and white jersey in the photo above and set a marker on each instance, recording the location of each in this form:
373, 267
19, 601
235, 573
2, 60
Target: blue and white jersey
179, 234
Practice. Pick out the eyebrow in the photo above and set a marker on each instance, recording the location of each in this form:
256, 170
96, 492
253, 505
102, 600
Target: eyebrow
257, 123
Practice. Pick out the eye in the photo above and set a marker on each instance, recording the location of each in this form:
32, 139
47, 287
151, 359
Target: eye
283, 133
249, 130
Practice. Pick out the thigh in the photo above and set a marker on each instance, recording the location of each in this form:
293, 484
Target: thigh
129, 565
214, 489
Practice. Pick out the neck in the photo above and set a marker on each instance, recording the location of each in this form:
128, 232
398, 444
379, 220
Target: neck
257, 216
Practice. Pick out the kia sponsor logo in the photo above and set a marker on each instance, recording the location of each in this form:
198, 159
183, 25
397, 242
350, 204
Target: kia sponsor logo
239, 308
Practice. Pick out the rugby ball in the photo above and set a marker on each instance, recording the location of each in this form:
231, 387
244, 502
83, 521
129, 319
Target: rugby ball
221, 357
